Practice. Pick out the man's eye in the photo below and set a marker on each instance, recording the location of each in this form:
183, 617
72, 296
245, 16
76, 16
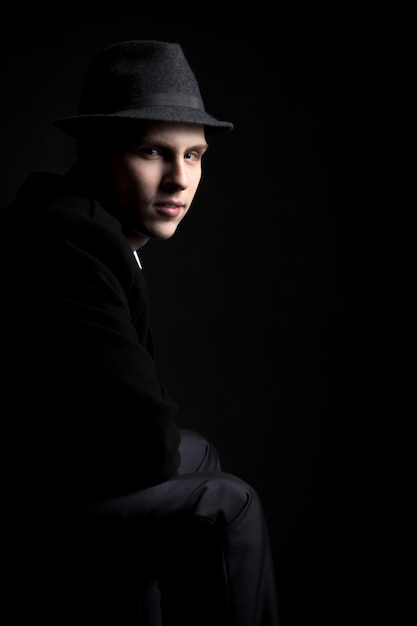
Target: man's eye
150, 151
145, 151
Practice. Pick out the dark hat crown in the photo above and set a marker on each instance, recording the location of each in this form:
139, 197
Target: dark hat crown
140, 80
125, 71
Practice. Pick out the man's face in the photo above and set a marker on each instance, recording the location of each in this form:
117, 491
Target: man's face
150, 185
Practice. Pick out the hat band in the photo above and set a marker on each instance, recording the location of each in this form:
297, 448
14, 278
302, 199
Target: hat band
162, 99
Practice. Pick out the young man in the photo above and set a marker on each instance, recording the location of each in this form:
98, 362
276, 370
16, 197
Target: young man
131, 516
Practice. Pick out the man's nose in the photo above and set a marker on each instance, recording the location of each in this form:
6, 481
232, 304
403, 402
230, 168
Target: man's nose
177, 174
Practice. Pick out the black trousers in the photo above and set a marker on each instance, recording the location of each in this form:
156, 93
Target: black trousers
192, 551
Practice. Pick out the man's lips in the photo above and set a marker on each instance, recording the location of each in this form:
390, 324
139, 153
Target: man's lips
169, 209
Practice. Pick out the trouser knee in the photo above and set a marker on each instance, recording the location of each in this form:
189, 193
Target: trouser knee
224, 499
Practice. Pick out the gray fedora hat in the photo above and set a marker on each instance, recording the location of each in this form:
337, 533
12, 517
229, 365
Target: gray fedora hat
140, 80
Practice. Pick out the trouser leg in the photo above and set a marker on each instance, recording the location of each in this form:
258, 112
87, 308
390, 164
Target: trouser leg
215, 566
245, 569
202, 535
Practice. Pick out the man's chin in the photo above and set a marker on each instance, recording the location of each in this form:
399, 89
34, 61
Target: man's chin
165, 232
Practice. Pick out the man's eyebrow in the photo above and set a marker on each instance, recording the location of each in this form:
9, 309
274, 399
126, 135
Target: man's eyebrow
168, 146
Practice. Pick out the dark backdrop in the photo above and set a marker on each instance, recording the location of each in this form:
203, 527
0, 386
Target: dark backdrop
259, 343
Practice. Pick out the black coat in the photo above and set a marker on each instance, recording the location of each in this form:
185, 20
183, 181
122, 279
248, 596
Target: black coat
84, 413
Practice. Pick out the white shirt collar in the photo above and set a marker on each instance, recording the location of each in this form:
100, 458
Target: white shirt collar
135, 254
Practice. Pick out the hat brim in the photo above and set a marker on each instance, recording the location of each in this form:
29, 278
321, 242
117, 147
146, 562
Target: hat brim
80, 124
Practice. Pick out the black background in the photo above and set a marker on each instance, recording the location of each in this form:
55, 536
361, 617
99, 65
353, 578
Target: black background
259, 344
